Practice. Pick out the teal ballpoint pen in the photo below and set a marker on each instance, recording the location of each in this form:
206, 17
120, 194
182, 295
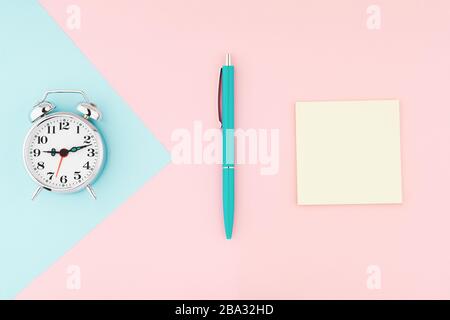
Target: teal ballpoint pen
226, 117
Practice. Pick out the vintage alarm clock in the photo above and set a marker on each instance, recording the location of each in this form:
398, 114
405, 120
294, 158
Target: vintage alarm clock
63, 151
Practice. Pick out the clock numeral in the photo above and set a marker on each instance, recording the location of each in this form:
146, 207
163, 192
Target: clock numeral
40, 165
64, 125
77, 175
42, 140
50, 175
91, 152
87, 139
36, 152
63, 179
86, 165
78, 129
51, 129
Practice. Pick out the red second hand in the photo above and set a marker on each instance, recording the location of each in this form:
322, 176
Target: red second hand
63, 153
59, 166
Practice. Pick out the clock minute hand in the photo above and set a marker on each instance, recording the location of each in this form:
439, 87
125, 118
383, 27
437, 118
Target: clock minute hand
75, 149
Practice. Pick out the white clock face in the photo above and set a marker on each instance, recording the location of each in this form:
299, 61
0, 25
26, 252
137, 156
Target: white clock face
63, 152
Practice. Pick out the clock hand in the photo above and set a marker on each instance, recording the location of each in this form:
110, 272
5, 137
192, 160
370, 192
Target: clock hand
63, 153
53, 152
75, 149
59, 166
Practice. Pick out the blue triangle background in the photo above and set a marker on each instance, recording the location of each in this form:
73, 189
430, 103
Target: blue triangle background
36, 55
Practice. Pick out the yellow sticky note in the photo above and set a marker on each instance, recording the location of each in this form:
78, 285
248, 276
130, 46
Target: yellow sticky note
348, 152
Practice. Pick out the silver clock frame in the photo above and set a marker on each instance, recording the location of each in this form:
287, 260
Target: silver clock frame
101, 150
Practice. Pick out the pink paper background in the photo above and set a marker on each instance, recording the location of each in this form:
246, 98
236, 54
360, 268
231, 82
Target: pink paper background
167, 241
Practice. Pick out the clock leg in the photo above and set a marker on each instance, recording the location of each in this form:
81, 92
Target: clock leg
35, 194
91, 191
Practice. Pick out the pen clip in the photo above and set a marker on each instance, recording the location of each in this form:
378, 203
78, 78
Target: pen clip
219, 98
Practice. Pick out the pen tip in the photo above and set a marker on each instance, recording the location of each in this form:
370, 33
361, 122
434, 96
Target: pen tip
228, 59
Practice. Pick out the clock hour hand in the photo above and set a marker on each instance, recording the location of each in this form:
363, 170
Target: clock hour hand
53, 152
